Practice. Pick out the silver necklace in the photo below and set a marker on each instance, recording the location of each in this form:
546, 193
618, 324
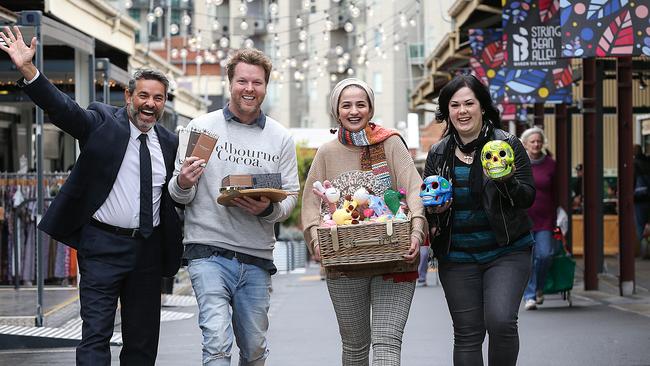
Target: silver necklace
468, 158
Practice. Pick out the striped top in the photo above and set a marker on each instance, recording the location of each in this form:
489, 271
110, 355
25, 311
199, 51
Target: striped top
472, 238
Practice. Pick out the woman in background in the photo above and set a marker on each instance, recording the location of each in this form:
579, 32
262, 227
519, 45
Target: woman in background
542, 213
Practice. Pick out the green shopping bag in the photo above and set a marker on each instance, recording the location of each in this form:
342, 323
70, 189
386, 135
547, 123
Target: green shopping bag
560, 274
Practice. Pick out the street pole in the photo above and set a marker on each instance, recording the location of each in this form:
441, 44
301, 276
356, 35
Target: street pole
626, 229
593, 171
33, 18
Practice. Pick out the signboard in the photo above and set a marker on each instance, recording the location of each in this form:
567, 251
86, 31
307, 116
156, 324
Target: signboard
531, 31
599, 28
513, 85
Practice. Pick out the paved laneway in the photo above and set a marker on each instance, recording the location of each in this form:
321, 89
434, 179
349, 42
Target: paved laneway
596, 331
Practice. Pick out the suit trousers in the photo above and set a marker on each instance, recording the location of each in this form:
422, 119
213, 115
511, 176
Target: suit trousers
112, 267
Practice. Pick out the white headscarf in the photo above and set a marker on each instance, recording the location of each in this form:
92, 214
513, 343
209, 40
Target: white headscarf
338, 89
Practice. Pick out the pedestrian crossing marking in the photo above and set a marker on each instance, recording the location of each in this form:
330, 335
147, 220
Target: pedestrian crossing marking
71, 330
56, 333
178, 300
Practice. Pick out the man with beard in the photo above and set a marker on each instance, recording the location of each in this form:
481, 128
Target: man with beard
114, 208
230, 249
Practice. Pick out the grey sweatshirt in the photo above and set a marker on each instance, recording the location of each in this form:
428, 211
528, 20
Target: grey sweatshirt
240, 149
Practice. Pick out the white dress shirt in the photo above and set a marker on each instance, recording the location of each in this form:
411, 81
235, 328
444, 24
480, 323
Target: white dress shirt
122, 207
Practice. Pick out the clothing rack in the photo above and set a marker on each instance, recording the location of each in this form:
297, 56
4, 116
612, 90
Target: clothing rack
18, 220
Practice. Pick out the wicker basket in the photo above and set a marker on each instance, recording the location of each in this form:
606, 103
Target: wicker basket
366, 245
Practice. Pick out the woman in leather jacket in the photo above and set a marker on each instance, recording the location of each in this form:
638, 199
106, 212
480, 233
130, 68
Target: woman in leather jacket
482, 236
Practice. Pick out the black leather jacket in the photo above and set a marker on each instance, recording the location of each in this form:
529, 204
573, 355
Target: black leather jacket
505, 203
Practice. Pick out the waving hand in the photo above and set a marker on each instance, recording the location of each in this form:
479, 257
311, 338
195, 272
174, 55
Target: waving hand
21, 54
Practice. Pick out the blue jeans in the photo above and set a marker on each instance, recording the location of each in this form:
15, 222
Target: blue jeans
222, 284
542, 259
641, 215
485, 298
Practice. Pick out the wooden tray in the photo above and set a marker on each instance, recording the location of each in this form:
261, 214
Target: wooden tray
275, 195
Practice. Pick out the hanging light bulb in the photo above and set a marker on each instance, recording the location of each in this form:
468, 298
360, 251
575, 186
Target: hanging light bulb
402, 20
270, 27
370, 11
346, 56
220, 54
305, 64
306, 4
174, 53
302, 46
216, 25
275, 74
151, 17
243, 25
276, 38
329, 25
248, 43
340, 69
273, 8
333, 77
243, 9
224, 42
396, 47
350, 71
158, 11
354, 11
173, 29
128, 4
293, 62
299, 21
349, 27
412, 22
183, 53
361, 41
339, 50
186, 19
302, 35
198, 59
326, 36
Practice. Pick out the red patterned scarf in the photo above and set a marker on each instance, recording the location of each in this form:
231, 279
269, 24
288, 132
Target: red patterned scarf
373, 157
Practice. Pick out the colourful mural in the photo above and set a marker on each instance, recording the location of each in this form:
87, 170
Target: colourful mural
516, 86
598, 28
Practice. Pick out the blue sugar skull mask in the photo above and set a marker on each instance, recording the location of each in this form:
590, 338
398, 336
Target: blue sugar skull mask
436, 190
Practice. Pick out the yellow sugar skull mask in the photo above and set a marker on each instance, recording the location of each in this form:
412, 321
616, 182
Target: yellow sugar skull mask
498, 159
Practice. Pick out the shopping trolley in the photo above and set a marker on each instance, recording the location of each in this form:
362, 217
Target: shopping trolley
559, 279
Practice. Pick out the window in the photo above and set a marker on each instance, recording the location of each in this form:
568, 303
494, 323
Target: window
416, 50
377, 82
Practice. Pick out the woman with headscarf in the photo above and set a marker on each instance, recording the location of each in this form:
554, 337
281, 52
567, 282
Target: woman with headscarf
482, 236
371, 308
542, 212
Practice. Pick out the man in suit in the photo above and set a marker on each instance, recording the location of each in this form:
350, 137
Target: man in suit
114, 207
